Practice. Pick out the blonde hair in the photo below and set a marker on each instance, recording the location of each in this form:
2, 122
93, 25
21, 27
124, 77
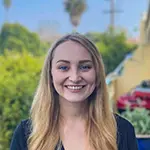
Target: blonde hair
101, 124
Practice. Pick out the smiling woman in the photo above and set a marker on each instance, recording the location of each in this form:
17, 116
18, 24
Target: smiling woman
70, 109
73, 72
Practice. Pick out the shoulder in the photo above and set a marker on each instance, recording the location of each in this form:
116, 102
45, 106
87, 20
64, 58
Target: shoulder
20, 135
126, 138
122, 123
124, 127
24, 128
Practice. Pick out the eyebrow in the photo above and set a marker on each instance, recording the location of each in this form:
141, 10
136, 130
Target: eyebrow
81, 61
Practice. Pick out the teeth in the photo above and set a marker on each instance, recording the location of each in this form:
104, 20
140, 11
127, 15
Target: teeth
74, 87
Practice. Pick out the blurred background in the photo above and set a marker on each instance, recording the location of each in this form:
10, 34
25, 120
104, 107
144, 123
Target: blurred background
119, 28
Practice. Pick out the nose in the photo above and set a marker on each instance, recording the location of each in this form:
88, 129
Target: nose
75, 76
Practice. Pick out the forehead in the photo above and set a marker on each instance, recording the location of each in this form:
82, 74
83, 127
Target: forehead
71, 51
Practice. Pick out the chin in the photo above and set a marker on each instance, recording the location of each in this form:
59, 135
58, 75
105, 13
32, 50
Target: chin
75, 99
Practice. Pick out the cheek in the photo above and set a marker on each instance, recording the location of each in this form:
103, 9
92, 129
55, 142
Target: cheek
56, 82
91, 77
57, 78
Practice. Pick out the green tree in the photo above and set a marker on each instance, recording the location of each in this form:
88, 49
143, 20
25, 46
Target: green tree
7, 5
17, 37
75, 9
18, 80
113, 48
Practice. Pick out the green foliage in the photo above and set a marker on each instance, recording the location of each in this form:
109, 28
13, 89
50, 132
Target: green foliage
7, 3
113, 48
75, 8
15, 36
19, 75
140, 119
21, 58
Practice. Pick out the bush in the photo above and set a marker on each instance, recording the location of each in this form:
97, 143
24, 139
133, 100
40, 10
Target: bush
140, 119
113, 48
17, 37
18, 79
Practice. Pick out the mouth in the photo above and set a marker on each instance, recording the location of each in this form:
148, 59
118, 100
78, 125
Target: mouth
75, 87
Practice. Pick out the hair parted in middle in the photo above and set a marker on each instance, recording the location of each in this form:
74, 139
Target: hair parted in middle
45, 114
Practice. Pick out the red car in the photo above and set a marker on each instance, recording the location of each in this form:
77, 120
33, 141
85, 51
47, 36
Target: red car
138, 97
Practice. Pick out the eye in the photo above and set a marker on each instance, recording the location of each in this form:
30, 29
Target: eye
85, 67
63, 68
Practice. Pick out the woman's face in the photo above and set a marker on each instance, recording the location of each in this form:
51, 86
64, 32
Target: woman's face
73, 72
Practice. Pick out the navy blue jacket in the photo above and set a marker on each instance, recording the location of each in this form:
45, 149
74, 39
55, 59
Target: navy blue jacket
126, 139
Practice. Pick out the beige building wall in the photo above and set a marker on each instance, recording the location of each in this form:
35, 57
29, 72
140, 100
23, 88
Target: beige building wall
135, 70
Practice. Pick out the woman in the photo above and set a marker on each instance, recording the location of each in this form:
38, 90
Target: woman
70, 109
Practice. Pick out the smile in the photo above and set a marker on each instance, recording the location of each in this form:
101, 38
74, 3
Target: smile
75, 87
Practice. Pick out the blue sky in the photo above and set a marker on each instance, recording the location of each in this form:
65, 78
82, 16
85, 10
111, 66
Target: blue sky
33, 13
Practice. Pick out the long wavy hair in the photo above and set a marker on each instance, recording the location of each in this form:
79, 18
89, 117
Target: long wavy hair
101, 124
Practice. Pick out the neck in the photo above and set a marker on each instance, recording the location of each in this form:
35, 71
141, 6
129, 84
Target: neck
71, 111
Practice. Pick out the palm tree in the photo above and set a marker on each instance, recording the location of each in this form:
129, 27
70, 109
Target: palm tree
75, 9
7, 4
